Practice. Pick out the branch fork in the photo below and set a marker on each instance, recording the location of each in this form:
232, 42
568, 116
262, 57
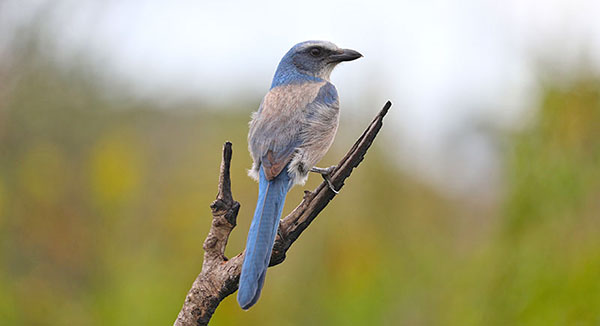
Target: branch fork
219, 276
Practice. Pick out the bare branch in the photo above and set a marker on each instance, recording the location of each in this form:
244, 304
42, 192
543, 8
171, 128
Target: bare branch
219, 276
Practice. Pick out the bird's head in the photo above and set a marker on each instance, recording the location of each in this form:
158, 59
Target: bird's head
312, 59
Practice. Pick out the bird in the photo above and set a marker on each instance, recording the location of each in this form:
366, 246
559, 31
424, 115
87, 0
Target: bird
292, 130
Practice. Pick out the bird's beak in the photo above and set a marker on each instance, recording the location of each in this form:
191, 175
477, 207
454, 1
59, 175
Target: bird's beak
345, 55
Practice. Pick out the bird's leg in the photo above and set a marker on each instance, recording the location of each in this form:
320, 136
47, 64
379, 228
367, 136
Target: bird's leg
325, 173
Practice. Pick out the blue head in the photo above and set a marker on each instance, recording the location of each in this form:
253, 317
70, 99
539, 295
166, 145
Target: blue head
310, 61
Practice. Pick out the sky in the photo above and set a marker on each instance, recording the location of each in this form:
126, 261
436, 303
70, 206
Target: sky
448, 66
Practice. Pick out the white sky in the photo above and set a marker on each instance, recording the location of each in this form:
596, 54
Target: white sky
443, 63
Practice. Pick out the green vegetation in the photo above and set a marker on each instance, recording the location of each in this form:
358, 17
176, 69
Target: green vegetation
104, 208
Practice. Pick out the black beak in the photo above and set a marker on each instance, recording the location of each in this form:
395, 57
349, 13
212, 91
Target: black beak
345, 55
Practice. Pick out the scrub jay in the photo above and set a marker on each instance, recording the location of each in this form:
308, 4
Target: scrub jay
291, 131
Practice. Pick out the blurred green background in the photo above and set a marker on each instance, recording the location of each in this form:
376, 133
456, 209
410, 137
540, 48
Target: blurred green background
104, 207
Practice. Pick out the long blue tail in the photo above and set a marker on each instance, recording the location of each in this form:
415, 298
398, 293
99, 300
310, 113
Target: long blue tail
271, 197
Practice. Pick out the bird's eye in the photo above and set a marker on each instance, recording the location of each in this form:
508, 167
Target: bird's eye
315, 52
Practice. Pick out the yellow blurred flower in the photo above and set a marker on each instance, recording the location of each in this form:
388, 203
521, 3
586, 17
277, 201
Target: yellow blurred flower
115, 167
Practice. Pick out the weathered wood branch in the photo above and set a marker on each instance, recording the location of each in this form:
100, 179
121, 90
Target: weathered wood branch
220, 276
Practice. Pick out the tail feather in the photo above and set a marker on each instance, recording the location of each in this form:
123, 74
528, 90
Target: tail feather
271, 197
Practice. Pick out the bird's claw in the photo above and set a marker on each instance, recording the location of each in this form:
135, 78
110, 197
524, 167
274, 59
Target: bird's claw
326, 177
325, 173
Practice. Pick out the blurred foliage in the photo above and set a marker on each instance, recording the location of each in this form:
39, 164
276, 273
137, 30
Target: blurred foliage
104, 208
549, 247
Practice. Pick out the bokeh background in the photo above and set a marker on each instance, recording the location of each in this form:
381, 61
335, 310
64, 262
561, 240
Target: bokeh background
479, 203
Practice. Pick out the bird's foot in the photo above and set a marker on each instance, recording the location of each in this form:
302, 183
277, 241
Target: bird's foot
326, 173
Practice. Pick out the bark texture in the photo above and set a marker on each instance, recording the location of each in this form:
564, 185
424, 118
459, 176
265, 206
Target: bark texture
220, 276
